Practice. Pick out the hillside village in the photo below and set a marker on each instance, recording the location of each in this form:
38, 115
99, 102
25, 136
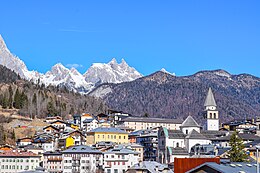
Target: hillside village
117, 142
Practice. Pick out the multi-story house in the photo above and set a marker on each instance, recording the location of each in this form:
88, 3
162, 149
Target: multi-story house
82, 159
24, 141
138, 148
17, 161
149, 140
90, 124
143, 123
119, 159
107, 134
52, 162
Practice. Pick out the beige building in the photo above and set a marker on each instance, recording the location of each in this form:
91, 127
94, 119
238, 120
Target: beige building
17, 161
143, 123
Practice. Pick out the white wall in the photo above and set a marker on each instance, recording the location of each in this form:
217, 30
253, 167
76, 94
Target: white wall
213, 124
192, 142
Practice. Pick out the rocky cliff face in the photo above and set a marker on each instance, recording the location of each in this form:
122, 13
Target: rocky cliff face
59, 75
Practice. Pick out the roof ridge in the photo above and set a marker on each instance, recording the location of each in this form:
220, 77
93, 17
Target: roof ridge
190, 122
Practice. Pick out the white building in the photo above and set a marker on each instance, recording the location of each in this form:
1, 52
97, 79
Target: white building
81, 159
17, 161
143, 123
52, 162
119, 159
90, 124
178, 143
24, 141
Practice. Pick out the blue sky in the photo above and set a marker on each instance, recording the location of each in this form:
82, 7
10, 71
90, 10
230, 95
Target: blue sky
181, 36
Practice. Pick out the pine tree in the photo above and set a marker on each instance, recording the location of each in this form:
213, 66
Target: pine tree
17, 99
10, 101
4, 102
51, 109
237, 152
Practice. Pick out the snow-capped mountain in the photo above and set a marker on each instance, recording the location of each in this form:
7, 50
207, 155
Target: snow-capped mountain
165, 71
111, 72
60, 75
97, 74
11, 61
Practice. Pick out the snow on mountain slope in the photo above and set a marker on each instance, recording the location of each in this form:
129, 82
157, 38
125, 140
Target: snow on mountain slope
97, 74
165, 71
11, 61
60, 75
111, 72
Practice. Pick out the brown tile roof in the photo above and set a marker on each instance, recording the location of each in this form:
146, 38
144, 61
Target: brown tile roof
15, 153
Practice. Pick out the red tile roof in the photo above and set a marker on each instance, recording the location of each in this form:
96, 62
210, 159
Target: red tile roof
16, 153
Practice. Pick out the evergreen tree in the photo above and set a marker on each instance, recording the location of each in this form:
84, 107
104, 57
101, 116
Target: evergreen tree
4, 102
13, 135
10, 101
17, 99
34, 98
51, 109
237, 152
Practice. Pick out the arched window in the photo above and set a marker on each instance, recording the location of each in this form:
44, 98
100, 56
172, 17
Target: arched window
177, 144
162, 134
187, 132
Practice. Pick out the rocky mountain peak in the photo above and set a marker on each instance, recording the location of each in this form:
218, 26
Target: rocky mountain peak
74, 71
2, 43
113, 61
10, 61
112, 72
165, 71
58, 69
98, 73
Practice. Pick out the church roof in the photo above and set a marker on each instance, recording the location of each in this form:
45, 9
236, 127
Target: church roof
210, 100
195, 135
178, 151
176, 134
189, 122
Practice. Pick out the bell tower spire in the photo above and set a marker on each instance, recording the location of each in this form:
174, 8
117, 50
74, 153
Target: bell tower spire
211, 112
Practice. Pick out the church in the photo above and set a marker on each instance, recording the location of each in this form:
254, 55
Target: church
182, 143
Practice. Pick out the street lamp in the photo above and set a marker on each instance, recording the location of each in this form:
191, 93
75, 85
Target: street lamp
257, 164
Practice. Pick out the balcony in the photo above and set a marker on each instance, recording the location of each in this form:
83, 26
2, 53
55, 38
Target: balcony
54, 159
74, 164
76, 158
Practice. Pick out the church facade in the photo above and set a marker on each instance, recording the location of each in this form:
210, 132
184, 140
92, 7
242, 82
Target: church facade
180, 143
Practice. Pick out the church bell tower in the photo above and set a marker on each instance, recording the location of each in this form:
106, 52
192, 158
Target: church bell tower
211, 112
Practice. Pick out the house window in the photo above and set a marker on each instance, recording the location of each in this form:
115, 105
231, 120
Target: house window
177, 144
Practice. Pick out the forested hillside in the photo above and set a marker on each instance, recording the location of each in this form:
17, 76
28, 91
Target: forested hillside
37, 100
164, 95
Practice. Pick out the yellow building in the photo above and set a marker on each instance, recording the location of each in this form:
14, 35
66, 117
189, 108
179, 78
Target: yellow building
69, 141
107, 134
